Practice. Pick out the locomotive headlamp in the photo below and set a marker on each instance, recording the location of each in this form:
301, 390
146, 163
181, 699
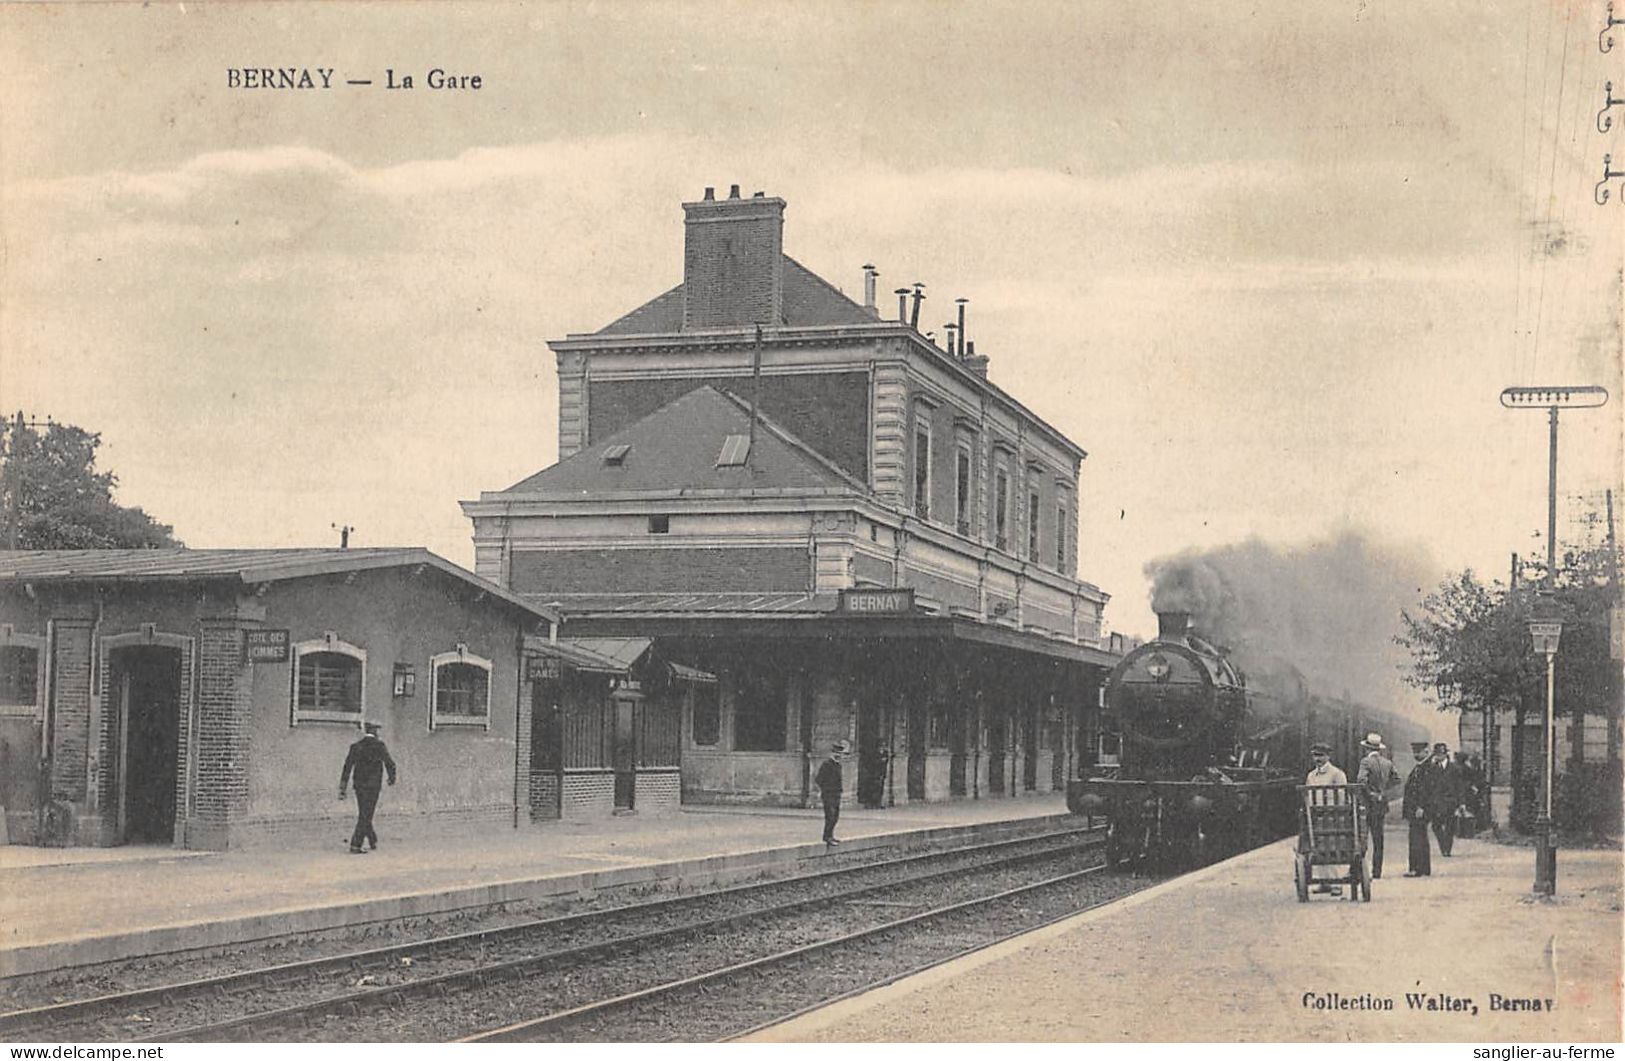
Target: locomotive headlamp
1157, 666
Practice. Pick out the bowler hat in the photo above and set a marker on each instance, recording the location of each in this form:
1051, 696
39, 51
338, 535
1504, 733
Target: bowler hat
372, 727
1321, 746
1419, 745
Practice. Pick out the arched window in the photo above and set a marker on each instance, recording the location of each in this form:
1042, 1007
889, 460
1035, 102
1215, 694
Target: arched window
329, 681
460, 692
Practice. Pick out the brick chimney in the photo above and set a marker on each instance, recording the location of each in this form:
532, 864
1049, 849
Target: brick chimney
733, 261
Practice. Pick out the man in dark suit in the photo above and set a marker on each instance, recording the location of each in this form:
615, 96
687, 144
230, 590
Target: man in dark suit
368, 760
829, 782
1444, 797
1415, 809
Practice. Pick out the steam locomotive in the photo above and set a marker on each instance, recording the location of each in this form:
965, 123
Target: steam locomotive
1208, 766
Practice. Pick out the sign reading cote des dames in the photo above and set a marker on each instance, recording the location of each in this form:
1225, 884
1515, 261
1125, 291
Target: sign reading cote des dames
877, 601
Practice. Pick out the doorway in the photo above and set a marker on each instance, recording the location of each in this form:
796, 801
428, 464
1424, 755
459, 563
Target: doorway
546, 748
872, 756
146, 681
995, 756
626, 753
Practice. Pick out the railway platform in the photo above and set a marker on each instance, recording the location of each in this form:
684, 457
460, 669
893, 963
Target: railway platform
62, 907
1228, 954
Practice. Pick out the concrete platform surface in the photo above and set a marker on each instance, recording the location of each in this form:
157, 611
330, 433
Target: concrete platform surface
1230, 955
75, 906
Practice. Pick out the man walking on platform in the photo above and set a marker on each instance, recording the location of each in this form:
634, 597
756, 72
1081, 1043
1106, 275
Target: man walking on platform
828, 780
1444, 797
368, 759
1415, 809
1376, 776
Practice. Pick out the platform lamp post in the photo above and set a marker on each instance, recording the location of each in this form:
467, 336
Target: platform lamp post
1543, 630
1546, 633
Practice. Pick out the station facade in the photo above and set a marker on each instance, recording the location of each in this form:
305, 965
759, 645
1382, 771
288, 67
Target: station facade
851, 528
207, 698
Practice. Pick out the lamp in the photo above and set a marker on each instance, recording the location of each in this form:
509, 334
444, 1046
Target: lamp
1546, 631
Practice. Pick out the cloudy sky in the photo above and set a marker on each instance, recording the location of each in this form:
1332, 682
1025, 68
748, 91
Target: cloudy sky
1270, 267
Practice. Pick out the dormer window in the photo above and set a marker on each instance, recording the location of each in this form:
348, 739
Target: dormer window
735, 451
615, 456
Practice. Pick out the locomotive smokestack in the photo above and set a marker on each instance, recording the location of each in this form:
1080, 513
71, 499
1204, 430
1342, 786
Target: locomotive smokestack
1173, 624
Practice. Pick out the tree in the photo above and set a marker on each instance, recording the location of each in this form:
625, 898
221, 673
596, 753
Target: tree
54, 498
1471, 650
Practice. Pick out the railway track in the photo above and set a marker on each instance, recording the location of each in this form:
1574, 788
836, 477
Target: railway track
385, 988
753, 995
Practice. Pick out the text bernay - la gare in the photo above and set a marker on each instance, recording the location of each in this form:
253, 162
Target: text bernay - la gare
308, 78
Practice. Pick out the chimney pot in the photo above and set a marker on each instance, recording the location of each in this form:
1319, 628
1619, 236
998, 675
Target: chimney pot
759, 195
973, 361
733, 191
870, 275
710, 194
1173, 624
902, 305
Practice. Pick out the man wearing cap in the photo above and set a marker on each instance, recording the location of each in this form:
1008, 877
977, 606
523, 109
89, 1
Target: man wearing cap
1325, 772
828, 780
369, 759
1376, 776
1444, 796
1415, 808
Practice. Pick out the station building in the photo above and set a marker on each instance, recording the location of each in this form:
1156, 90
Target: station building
851, 527
207, 698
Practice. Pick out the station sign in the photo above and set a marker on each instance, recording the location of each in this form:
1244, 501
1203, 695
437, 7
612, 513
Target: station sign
265, 646
877, 601
1554, 397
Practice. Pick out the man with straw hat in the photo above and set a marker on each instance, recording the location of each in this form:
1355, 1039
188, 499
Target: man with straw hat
1376, 776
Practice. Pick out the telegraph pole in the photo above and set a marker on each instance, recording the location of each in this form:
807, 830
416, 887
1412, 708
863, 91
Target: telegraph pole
1545, 634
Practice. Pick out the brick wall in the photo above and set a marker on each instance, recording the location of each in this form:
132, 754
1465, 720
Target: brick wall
673, 569
733, 262
70, 708
588, 795
829, 411
658, 791
544, 796
225, 718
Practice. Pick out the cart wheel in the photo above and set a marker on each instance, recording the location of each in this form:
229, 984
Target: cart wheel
1300, 877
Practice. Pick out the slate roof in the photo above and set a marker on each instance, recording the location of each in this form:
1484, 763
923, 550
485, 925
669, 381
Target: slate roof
248, 566
675, 449
809, 299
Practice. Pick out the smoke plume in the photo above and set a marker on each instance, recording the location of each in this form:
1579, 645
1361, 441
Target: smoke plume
1328, 609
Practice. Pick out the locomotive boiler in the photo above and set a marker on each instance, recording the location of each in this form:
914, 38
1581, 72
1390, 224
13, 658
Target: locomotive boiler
1203, 770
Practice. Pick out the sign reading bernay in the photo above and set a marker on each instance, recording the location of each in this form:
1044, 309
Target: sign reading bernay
877, 601
265, 646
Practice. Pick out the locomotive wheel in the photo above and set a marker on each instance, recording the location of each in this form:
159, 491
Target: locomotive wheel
1300, 877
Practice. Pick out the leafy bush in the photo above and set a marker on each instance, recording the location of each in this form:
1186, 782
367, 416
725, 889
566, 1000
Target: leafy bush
1588, 799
